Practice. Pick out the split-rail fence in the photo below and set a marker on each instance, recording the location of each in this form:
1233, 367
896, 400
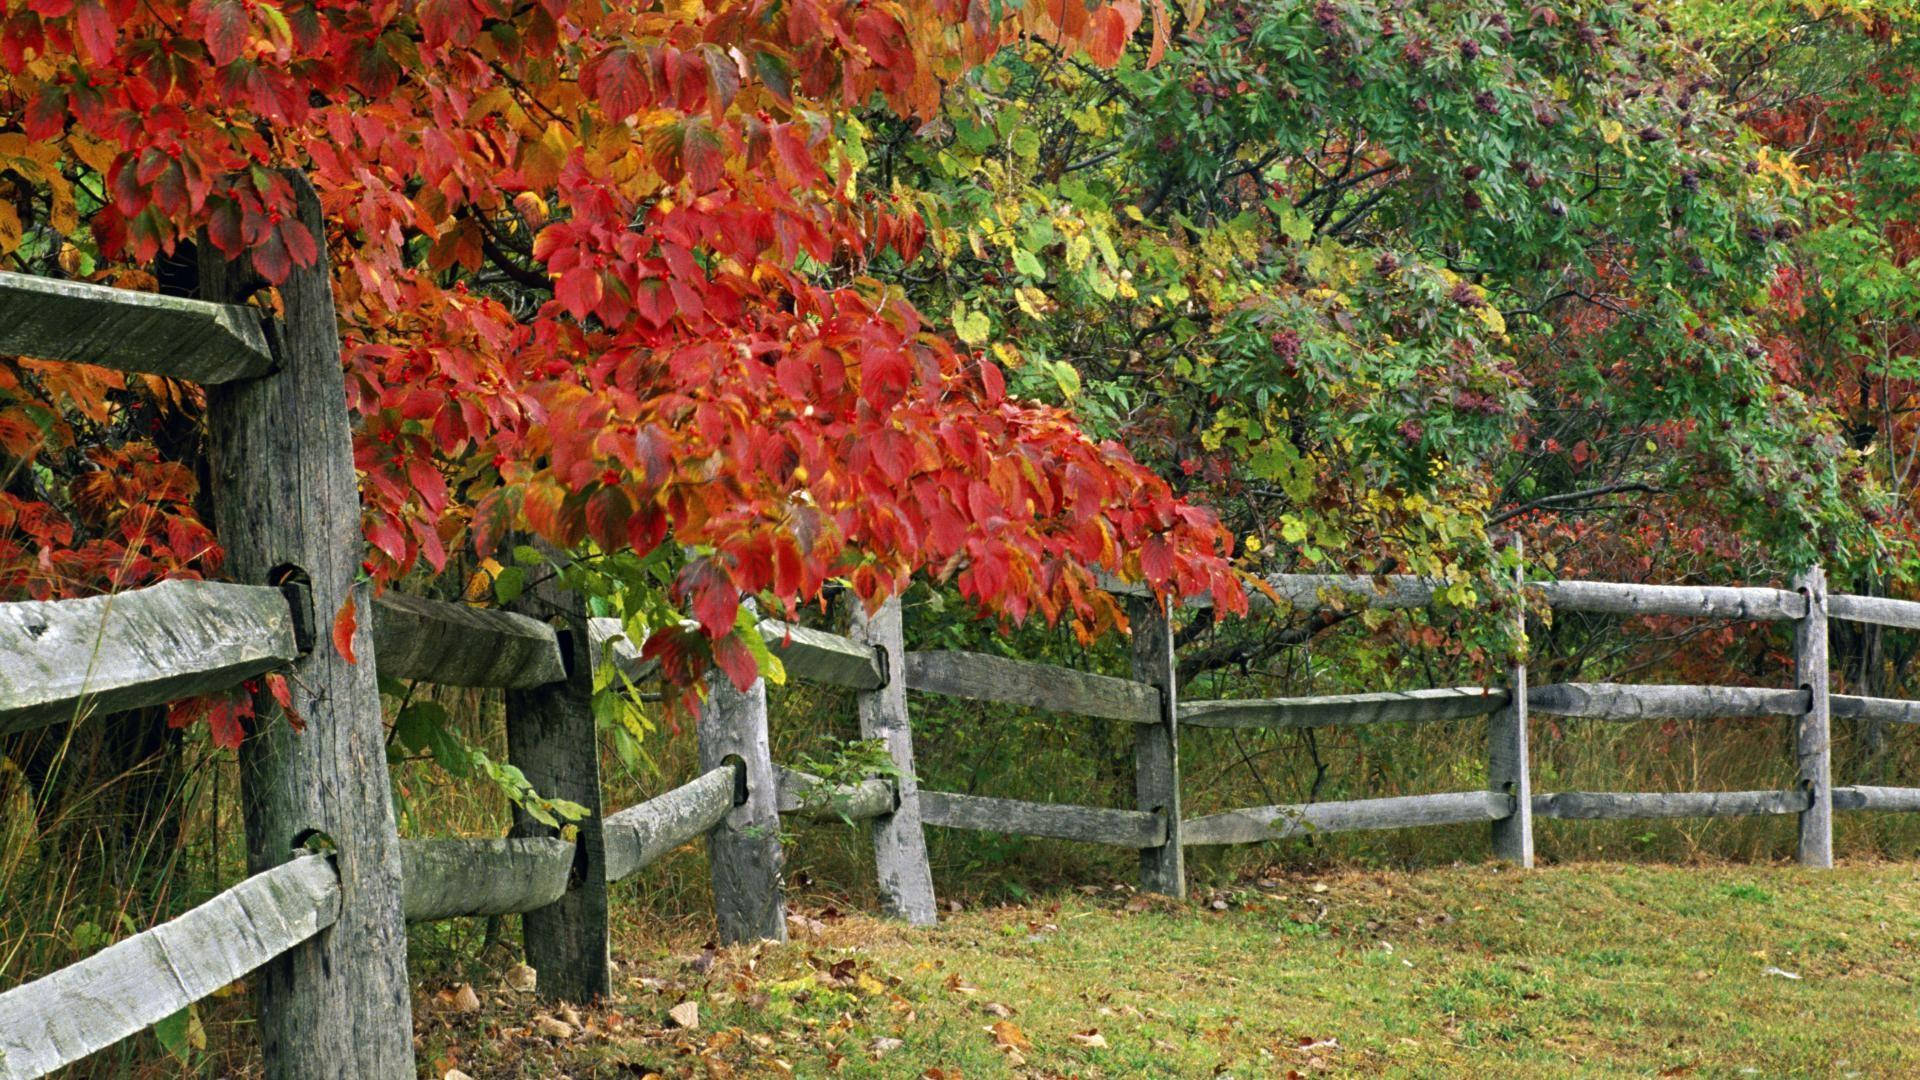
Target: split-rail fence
320, 925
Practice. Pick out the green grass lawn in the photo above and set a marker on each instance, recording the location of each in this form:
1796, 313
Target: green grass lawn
1584, 970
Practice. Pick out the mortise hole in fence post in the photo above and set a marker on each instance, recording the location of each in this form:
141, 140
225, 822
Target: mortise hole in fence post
285, 493
899, 839
1156, 747
1507, 766
1813, 732
551, 739
743, 851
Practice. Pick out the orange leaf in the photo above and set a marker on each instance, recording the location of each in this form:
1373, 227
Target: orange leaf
344, 624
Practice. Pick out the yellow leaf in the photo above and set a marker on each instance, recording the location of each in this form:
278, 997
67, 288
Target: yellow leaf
1611, 130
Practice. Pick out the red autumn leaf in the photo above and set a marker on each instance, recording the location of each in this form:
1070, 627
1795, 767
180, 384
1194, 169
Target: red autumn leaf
344, 624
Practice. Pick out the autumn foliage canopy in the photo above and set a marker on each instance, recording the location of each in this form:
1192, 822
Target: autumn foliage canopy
687, 348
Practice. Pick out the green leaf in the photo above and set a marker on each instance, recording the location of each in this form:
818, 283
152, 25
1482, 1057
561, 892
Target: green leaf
1024, 261
509, 584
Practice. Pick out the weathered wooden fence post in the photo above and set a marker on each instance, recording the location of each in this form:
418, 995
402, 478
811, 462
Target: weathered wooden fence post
1507, 767
551, 739
899, 839
1813, 733
287, 506
1156, 747
744, 849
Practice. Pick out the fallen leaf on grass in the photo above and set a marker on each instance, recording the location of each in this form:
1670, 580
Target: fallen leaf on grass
1090, 1038
1008, 1034
686, 1014
552, 1028
883, 1046
994, 1008
1782, 973
522, 978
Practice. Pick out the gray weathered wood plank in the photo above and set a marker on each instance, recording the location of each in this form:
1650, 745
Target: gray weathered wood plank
552, 740
743, 850
818, 656
1863, 797
1621, 701
1314, 591
1631, 805
1813, 730
811, 798
1881, 610
978, 677
1509, 771
285, 494
1341, 710
133, 984
457, 645
1156, 747
1256, 824
1895, 710
645, 831
1701, 601
50, 319
448, 878
899, 842
1060, 821
63, 659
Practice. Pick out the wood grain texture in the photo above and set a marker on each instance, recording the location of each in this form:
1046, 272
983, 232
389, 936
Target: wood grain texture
1632, 805
1343, 710
458, 645
1708, 601
64, 659
645, 831
1881, 610
1862, 797
1813, 731
285, 493
50, 319
1156, 747
1061, 821
133, 984
818, 656
1894, 710
978, 677
811, 798
1620, 701
1261, 823
552, 740
899, 841
743, 850
456, 877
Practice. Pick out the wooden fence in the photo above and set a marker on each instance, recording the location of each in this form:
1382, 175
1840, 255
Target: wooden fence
326, 931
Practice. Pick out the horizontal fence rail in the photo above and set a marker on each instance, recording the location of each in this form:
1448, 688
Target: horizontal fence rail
1060, 821
640, 834
813, 799
1699, 601
1860, 797
1260, 823
1621, 701
1635, 805
1343, 709
1880, 610
131, 985
50, 319
1876, 708
458, 645
138, 648
443, 879
978, 677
